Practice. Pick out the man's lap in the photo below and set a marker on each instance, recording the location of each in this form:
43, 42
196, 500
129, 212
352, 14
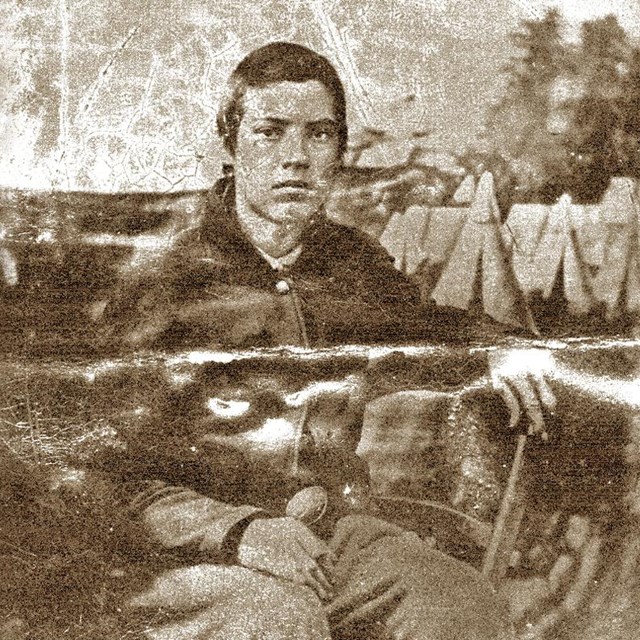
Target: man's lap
207, 601
388, 581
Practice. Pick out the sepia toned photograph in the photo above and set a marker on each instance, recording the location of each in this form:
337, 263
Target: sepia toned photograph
319, 320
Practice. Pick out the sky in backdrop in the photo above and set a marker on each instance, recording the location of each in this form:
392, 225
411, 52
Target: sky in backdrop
116, 95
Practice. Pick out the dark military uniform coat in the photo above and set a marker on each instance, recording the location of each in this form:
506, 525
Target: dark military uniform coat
214, 289
194, 488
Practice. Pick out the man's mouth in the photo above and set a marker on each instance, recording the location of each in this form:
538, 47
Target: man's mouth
292, 184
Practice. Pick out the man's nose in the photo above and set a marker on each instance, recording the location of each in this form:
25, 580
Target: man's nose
295, 152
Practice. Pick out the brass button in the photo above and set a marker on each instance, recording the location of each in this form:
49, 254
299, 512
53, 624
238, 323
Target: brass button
282, 287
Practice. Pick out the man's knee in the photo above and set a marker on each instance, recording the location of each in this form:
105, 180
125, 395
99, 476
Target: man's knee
288, 610
444, 597
229, 603
438, 596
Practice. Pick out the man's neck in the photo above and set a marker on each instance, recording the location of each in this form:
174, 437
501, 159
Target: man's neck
274, 239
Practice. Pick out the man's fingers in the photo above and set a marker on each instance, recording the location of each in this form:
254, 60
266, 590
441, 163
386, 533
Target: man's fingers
322, 578
364, 605
323, 587
545, 392
309, 566
510, 399
308, 580
532, 393
311, 575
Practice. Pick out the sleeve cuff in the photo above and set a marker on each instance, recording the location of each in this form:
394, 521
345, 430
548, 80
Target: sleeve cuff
215, 537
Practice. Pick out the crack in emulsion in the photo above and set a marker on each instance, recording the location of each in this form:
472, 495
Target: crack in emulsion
102, 77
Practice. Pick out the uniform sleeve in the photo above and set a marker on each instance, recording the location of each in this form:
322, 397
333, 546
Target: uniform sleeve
413, 318
144, 305
179, 518
387, 306
145, 514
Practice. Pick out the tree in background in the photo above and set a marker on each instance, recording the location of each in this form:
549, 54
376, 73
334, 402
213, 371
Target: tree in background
516, 126
629, 103
569, 118
596, 134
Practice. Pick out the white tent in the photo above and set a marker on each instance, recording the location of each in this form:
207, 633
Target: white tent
545, 241
422, 235
619, 273
402, 236
465, 192
480, 253
445, 225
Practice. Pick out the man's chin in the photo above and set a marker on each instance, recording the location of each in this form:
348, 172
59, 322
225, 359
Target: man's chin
292, 214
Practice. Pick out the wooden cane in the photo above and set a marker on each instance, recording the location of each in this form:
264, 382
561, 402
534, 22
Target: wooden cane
497, 556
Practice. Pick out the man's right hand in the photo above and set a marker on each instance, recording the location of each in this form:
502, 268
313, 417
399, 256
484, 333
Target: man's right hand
286, 548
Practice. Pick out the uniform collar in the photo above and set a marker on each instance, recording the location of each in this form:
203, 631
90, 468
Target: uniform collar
283, 262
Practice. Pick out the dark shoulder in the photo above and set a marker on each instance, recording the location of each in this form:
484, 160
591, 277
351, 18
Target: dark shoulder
350, 245
365, 267
197, 253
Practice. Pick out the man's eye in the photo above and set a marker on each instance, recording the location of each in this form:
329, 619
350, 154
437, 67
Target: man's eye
270, 133
323, 135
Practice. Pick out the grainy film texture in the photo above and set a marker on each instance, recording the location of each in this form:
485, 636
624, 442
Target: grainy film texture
319, 320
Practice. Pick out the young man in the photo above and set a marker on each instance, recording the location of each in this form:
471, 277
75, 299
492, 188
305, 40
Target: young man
265, 268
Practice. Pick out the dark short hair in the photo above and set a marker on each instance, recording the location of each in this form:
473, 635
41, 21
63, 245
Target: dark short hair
278, 62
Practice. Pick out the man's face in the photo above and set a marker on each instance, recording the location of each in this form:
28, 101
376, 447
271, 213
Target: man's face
287, 151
